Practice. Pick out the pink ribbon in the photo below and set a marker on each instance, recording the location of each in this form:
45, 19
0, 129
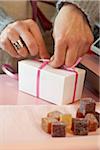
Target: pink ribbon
38, 78
76, 79
45, 62
11, 72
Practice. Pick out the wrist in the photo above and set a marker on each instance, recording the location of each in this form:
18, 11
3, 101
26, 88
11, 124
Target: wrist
74, 8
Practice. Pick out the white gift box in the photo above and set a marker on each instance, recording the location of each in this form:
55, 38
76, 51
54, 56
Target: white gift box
57, 86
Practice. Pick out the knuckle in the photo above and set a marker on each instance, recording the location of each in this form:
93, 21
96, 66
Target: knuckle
73, 39
91, 39
60, 40
9, 26
31, 46
9, 31
18, 24
30, 21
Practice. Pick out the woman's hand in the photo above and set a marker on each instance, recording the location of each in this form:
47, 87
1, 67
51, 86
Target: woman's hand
29, 32
72, 36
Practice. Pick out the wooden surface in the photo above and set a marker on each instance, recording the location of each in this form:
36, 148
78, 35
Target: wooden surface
20, 129
92, 63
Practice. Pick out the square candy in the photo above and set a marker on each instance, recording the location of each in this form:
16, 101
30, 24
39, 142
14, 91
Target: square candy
97, 115
79, 114
92, 122
87, 106
67, 119
46, 124
58, 129
54, 114
80, 126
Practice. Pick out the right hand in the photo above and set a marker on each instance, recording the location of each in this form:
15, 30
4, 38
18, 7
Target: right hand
30, 33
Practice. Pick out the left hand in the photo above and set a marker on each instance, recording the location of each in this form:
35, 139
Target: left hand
72, 35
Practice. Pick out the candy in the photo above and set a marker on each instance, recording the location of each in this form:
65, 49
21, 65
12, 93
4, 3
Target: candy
54, 114
58, 129
67, 119
59, 124
46, 124
92, 122
80, 126
79, 114
97, 115
87, 106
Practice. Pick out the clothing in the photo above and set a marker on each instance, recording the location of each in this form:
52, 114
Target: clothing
19, 10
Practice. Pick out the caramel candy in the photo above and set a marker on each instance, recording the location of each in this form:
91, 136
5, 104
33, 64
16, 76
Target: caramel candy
80, 126
79, 114
54, 114
58, 129
97, 115
46, 124
92, 122
67, 119
87, 106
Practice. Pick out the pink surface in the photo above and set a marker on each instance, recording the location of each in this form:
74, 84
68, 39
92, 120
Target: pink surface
25, 132
9, 93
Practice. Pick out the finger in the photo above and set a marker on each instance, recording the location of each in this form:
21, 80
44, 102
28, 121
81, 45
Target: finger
71, 57
59, 54
83, 49
13, 36
52, 58
34, 29
6, 45
27, 37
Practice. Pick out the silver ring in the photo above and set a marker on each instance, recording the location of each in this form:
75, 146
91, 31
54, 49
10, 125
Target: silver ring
18, 44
